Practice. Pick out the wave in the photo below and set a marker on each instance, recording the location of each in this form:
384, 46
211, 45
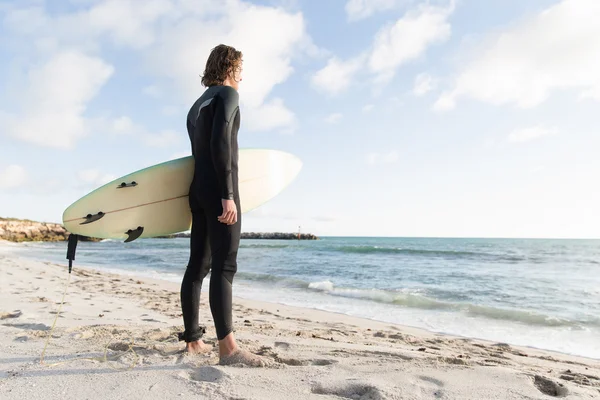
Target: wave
431, 253
412, 299
264, 246
272, 279
396, 250
325, 286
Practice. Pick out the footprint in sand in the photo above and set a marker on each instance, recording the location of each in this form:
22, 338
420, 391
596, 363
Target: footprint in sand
296, 362
350, 391
14, 314
282, 345
291, 361
489, 362
435, 381
582, 379
33, 327
549, 387
208, 374
323, 362
459, 360
438, 393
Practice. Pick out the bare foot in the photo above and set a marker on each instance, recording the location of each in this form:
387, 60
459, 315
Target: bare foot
244, 357
197, 347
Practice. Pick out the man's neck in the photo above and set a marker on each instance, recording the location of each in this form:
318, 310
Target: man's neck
228, 82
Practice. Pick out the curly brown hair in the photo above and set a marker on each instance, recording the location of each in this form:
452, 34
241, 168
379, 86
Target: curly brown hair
221, 62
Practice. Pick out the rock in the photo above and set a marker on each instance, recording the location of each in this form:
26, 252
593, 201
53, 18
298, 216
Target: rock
18, 230
258, 235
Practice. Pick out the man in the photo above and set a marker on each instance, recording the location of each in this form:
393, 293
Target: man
213, 122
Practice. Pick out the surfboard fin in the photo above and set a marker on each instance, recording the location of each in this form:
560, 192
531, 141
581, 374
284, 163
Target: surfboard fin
92, 218
124, 184
133, 234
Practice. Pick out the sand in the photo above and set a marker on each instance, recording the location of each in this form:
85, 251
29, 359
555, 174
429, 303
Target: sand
116, 338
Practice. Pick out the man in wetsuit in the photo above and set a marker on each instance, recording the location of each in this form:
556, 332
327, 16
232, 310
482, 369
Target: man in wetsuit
213, 122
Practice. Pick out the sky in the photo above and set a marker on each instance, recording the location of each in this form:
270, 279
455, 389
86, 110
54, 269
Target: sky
413, 118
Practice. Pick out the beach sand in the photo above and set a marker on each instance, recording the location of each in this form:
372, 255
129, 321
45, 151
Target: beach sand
116, 338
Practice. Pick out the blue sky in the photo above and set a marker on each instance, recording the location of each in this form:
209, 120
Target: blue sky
412, 118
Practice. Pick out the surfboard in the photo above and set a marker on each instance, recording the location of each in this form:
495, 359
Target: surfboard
153, 201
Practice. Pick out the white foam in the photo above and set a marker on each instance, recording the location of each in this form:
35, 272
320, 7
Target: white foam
325, 286
581, 342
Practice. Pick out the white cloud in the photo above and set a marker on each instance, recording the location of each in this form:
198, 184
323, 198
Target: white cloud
395, 101
368, 108
123, 21
333, 118
267, 213
170, 111
55, 99
271, 115
424, 83
537, 169
360, 9
26, 20
94, 177
181, 154
268, 37
393, 45
12, 176
408, 39
444, 103
162, 139
126, 22
531, 133
152, 91
552, 51
124, 125
383, 158
161, 32
337, 75
489, 143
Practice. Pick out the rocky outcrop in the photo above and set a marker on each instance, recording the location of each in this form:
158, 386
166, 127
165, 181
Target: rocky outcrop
259, 235
278, 235
23, 230
19, 230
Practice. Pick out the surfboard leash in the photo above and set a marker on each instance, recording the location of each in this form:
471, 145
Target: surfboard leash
71, 248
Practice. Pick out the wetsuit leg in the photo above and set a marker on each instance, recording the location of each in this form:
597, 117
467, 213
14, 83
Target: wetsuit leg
197, 269
224, 243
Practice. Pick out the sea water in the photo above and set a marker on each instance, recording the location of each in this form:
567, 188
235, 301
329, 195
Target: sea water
530, 292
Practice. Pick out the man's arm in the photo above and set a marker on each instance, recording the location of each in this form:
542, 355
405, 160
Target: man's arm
225, 108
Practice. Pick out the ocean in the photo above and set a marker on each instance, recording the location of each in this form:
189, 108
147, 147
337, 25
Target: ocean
530, 292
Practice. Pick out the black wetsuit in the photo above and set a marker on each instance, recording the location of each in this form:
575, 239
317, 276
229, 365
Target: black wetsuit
213, 122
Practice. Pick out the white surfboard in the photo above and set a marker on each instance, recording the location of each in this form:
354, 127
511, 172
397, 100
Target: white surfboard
154, 201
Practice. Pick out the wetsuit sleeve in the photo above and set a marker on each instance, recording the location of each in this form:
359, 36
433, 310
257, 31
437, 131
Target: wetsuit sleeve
225, 109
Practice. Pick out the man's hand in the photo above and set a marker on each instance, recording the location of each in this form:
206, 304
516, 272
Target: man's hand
229, 215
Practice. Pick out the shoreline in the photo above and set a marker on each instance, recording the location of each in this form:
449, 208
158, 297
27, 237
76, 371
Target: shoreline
314, 354
334, 316
326, 314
